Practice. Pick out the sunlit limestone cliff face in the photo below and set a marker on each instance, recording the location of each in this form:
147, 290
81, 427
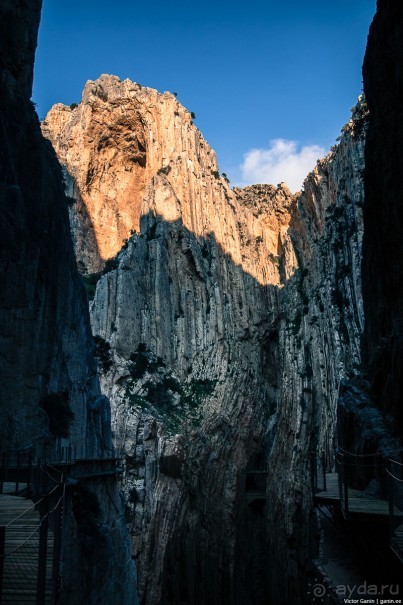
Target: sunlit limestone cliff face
46, 346
130, 150
223, 326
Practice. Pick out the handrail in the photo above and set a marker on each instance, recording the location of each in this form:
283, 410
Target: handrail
44, 468
63, 459
382, 462
393, 476
10, 552
395, 462
6, 554
383, 453
354, 477
33, 506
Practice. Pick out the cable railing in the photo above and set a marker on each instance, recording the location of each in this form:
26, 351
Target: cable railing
64, 452
30, 547
31, 535
31, 471
362, 483
368, 484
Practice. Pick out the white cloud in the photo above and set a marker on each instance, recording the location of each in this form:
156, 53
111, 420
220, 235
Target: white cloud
282, 161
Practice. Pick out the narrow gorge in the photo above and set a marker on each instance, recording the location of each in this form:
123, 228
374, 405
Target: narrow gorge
232, 333
225, 321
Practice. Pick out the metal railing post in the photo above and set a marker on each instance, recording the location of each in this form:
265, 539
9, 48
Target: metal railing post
2, 472
391, 503
2, 544
324, 471
345, 488
57, 545
17, 482
340, 478
42, 556
30, 475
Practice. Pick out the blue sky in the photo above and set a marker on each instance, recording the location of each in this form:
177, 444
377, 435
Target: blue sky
277, 77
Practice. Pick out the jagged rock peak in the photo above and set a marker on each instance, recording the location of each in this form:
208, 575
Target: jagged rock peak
129, 151
110, 88
267, 200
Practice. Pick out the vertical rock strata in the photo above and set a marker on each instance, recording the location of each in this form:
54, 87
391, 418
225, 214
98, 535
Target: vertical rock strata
319, 326
46, 346
224, 326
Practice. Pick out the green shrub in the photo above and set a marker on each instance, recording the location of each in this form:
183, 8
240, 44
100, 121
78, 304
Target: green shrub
142, 361
103, 353
196, 391
171, 383
136, 400
138, 365
158, 394
164, 170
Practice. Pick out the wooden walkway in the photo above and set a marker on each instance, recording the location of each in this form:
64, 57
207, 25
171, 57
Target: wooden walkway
332, 489
22, 551
30, 553
359, 502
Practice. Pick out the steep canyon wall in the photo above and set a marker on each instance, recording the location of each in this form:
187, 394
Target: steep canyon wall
50, 388
320, 320
224, 326
383, 243
225, 321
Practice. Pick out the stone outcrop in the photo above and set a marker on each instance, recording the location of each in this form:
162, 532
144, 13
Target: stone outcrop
224, 326
49, 384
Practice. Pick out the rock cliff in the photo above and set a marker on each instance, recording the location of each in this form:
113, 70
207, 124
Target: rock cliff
383, 243
129, 150
319, 328
227, 323
50, 389
224, 325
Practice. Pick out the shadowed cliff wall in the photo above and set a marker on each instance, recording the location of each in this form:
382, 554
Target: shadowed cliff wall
46, 346
382, 270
